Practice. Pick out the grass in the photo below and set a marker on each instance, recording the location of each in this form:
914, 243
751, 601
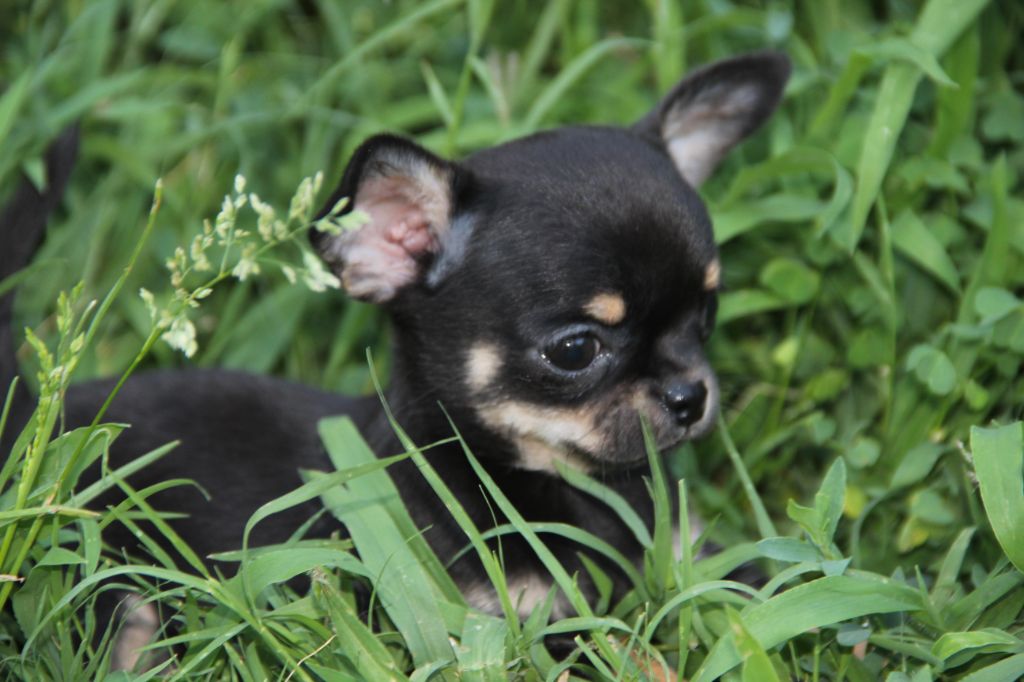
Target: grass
869, 346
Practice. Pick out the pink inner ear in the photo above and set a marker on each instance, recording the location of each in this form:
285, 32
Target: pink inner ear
382, 256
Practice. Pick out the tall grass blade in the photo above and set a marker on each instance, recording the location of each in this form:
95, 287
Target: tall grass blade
998, 455
575, 70
818, 603
610, 497
940, 23
405, 588
382, 37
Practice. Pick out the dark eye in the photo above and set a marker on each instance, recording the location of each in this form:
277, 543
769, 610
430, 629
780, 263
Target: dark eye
573, 353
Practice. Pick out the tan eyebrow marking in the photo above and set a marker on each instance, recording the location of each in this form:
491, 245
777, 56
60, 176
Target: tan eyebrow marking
607, 308
482, 366
712, 275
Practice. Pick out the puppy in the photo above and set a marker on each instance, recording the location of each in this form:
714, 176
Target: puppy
549, 293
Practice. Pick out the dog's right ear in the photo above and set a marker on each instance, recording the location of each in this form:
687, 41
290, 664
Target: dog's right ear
407, 195
714, 108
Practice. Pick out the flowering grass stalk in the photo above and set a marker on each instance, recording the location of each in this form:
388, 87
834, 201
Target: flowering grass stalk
243, 252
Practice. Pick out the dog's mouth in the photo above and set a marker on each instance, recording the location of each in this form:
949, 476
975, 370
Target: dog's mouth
626, 452
606, 436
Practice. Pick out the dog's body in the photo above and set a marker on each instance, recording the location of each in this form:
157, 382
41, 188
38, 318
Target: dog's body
223, 402
547, 292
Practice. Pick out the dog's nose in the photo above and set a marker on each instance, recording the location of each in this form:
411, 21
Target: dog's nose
685, 401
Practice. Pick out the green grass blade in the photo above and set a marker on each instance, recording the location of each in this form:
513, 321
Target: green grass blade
91, 492
487, 558
757, 667
138, 498
573, 72
661, 552
953, 563
578, 624
969, 608
11, 459
684, 573
892, 106
957, 107
839, 95
405, 588
1007, 669
328, 81
999, 464
481, 653
10, 103
940, 23
691, 593
726, 561
957, 648
346, 447
551, 563
903, 49
265, 331
437, 93
15, 280
584, 539
402, 584
7, 517
736, 305
993, 266
368, 654
281, 565
606, 495
214, 645
915, 241
764, 522
731, 222
311, 490
201, 585
815, 604
538, 48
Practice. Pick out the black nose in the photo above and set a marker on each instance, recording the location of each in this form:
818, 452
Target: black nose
685, 401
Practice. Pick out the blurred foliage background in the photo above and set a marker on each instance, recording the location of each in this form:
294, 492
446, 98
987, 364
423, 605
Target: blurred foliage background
872, 235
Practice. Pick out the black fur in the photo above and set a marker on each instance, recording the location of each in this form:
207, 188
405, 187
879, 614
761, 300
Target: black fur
517, 239
22, 226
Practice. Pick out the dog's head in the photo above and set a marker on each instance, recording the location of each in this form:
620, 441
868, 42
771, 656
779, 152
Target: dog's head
551, 290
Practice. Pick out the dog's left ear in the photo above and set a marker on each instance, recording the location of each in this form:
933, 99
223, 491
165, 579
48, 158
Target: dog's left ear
714, 108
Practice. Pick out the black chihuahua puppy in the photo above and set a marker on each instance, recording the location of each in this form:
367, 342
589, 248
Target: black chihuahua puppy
549, 293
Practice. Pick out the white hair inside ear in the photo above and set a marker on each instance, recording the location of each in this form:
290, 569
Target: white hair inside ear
699, 134
710, 111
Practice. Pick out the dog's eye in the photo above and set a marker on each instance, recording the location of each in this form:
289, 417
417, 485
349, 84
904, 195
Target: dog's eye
573, 353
